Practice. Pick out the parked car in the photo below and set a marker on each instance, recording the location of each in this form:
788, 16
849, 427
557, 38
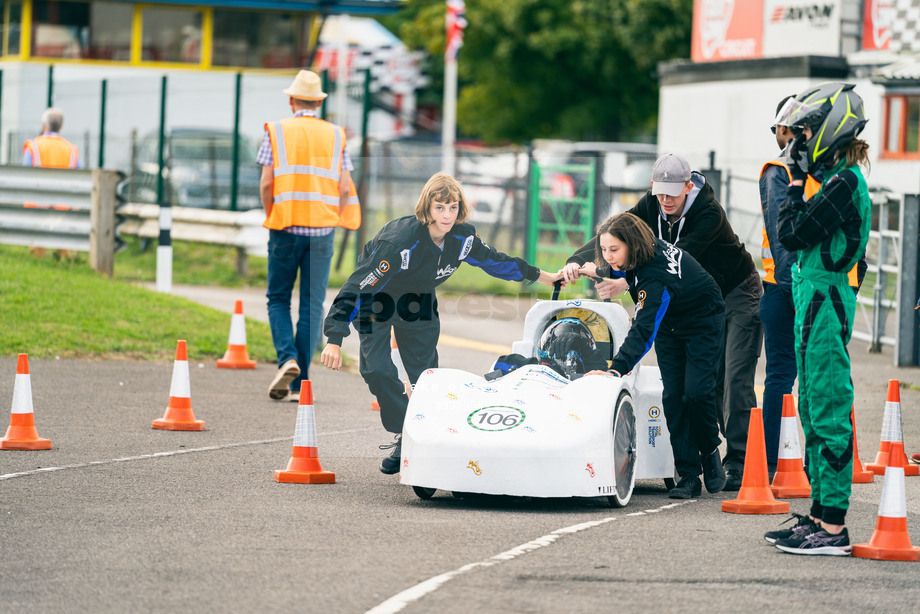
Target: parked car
199, 162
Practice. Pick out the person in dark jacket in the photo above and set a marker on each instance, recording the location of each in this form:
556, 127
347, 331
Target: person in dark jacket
678, 307
681, 208
393, 287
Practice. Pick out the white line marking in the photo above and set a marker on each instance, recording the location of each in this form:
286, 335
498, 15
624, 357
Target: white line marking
398, 602
126, 459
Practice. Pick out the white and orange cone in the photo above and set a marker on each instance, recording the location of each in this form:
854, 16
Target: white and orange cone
237, 356
890, 541
892, 432
22, 434
860, 475
304, 466
400, 371
790, 480
179, 415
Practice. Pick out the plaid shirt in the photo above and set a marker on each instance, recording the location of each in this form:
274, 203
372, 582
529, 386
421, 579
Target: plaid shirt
265, 159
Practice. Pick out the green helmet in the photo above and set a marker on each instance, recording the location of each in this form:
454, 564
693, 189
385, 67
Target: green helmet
835, 114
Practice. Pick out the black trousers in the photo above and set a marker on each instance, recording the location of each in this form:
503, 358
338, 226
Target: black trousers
418, 347
689, 361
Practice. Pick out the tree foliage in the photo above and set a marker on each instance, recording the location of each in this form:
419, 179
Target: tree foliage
573, 69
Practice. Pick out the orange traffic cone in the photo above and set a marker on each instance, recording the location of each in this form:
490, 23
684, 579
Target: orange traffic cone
400, 371
179, 415
304, 466
236, 356
860, 475
22, 434
790, 480
891, 432
755, 496
890, 540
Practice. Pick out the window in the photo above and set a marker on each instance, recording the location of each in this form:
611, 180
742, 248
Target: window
12, 34
171, 35
902, 126
260, 40
87, 30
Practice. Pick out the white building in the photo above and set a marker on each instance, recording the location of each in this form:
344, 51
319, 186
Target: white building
749, 54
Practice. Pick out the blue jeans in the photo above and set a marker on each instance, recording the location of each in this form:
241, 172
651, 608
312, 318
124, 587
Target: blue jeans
312, 256
777, 312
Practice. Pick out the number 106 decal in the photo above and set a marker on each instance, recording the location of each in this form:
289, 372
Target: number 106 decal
496, 418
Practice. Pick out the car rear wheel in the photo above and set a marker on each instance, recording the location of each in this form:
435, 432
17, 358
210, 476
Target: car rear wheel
624, 451
424, 493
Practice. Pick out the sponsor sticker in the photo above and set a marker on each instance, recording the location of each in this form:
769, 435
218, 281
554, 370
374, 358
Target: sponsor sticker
654, 412
590, 470
654, 432
467, 248
447, 271
474, 465
405, 255
370, 280
382, 268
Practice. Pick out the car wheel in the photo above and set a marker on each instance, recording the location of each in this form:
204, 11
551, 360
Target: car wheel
424, 493
624, 451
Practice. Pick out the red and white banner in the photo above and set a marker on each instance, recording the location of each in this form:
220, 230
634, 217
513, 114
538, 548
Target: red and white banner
877, 20
726, 30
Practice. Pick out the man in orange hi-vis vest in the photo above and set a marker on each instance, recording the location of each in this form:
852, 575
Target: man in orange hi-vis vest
306, 191
50, 149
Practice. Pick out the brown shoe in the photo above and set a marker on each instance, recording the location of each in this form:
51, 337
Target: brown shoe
280, 386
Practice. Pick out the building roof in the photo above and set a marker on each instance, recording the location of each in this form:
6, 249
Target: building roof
332, 7
905, 71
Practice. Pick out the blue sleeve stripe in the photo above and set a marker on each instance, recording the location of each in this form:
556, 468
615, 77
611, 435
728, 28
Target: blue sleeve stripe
659, 316
354, 312
508, 271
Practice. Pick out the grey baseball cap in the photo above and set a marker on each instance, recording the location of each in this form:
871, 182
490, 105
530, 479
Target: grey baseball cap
670, 174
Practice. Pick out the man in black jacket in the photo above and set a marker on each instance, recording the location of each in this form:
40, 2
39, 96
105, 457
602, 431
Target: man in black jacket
681, 208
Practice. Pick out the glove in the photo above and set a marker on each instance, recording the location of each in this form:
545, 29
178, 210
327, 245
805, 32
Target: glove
797, 160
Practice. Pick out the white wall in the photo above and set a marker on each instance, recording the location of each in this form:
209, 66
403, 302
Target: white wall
733, 119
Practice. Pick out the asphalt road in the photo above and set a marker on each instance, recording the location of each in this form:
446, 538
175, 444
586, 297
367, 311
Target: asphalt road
121, 517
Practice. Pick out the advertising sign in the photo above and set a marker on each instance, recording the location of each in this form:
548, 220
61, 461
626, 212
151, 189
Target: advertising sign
877, 20
726, 30
801, 27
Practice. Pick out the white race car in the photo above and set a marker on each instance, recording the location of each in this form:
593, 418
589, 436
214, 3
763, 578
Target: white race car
535, 433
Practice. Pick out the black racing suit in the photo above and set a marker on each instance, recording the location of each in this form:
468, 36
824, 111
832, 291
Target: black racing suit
678, 307
704, 232
393, 286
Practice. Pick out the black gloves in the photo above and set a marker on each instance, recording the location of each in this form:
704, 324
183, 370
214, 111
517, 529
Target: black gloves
797, 160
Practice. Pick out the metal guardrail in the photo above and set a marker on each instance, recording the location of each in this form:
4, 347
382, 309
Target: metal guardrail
242, 230
60, 209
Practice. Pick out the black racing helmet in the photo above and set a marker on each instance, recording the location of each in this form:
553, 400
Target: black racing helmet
835, 114
565, 346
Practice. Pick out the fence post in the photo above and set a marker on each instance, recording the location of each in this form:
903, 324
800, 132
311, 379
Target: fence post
102, 222
908, 342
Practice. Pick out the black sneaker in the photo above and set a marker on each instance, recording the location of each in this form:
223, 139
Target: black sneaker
713, 472
733, 479
688, 487
805, 523
390, 464
817, 541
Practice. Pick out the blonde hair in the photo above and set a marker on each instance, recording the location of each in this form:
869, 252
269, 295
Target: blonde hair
442, 188
634, 233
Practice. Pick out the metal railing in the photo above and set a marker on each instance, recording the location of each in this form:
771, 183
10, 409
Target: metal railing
61, 209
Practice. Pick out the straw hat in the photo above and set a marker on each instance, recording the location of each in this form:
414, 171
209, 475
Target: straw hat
306, 86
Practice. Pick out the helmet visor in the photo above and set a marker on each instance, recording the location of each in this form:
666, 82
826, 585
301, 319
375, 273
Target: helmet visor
791, 115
